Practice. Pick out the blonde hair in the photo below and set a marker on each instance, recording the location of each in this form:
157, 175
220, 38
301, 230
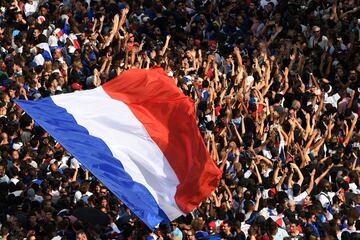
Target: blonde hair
48, 66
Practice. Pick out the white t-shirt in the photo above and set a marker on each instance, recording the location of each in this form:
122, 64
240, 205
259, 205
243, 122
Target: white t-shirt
30, 9
322, 42
5, 178
53, 41
281, 234
263, 3
55, 195
354, 188
325, 198
299, 199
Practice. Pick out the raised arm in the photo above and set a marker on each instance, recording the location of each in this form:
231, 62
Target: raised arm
299, 173
348, 136
318, 179
311, 185
166, 45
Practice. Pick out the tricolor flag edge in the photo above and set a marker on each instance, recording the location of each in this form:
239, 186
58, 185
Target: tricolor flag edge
146, 217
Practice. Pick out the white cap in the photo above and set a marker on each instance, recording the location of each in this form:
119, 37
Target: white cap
17, 146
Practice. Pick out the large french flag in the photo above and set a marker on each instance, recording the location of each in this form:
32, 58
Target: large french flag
138, 135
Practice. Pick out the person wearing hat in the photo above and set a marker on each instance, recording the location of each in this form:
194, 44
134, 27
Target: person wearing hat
213, 235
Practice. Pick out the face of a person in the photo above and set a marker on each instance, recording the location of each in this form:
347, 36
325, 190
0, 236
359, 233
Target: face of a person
190, 236
313, 218
48, 216
6, 98
81, 236
43, 11
293, 229
36, 33
32, 219
173, 226
157, 31
225, 228
307, 201
340, 71
2, 171
104, 203
57, 54
292, 207
15, 155
12, 93
316, 32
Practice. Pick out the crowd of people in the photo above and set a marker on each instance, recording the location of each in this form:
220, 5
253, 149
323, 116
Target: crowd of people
275, 84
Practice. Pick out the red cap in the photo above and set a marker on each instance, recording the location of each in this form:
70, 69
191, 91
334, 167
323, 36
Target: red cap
272, 191
212, 225
76, 86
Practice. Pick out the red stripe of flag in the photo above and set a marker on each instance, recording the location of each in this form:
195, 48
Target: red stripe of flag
169, 118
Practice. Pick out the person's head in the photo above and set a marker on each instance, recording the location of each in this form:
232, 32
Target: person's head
198, 224
103, 191
173, 225
294, 228
273, 228
296, 189
15, 155
57, 53
226, 227
43, 10
53, 167
350, 222
190, 234
31, 235
36, 32
310, 217
32, 219
12, 91
339, 70
77, 65
104, 202
81, 235
316, 31
48, 215
2, 170
327, 186
278, 98
296, 105
292, 205
352, 75
18, 16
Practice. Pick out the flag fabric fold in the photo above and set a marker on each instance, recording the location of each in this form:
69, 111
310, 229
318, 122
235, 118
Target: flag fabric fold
138, 135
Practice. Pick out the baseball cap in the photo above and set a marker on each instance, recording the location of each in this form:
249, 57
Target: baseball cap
212, 226
76, 87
